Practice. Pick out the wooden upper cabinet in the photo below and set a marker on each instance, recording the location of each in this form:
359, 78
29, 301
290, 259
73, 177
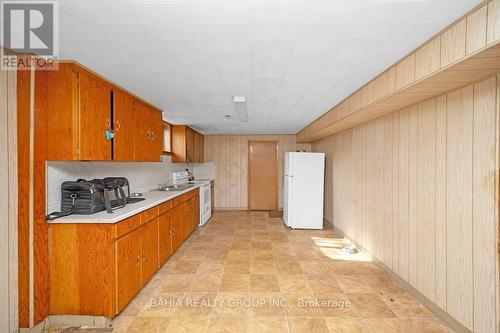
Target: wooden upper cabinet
123, 125
187, 145
142, 134
156, 124
82, 106
148, 133
95, 117
128, 268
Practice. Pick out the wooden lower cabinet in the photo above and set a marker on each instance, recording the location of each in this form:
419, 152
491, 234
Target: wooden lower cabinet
128, 268
177, 227
96, 269
165, 236
149, 250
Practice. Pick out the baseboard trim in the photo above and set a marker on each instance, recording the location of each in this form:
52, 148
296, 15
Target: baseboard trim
69, 321
449, 320
229, 208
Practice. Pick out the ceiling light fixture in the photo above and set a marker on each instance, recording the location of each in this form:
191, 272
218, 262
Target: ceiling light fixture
241, 108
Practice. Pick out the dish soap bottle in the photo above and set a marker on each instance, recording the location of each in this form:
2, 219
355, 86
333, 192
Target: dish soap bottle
190, 175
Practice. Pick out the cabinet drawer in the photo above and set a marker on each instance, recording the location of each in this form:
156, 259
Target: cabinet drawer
125, 226
164, 207
149, 214
176, 201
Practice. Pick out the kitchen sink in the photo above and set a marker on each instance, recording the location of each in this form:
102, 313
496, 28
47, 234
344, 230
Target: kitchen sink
175, 188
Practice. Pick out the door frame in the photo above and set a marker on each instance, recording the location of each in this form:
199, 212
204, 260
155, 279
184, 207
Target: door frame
249, 169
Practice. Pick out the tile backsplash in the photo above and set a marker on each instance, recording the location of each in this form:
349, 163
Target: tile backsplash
142, 176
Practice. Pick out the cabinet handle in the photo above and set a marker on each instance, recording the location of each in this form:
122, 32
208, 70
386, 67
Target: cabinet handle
138, 260
152, 135
108, 124
149, 135
117, 126
144, 257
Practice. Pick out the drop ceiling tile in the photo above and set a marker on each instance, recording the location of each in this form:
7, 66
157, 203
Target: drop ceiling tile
270, 71
318, 38
271, 51
331, 11
227, 38
188, 51
221, 11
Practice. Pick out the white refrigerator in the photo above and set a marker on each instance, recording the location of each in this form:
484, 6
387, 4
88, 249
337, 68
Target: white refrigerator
304, 175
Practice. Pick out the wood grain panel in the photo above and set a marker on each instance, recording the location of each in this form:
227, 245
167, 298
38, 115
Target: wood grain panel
370, 186
23, 129
380, 89
441, 180
459, 206
413, 197
388, 191
395, 192
493, 29
428, 58
426, 199
403, 200
40, 227
484, 238
476, 30
379, 185
453, 43
405, 72
391, 80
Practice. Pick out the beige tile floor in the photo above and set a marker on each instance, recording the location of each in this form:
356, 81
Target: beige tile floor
246, 272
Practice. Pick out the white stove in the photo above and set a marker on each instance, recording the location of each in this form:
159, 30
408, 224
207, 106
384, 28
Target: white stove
181, 178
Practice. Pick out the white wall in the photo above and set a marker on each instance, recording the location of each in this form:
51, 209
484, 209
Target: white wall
142, 176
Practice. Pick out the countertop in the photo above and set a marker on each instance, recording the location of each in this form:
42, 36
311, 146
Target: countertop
153, 198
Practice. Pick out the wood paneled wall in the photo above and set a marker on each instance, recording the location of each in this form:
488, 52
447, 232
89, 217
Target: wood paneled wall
230, 155
419, 189
8, 202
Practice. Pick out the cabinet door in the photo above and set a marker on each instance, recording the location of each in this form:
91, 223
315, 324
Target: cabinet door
149, 247
202, 148
196, 211
197, 151
165, 236
123, 142
156, 127
176, 227
95, 118
128, 268
186, 219
189, 145
142, 132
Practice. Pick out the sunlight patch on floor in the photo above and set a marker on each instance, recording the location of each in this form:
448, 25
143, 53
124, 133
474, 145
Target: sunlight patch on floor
333, 248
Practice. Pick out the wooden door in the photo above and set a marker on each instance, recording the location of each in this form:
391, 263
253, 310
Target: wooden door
176, 227
123, 142
149, 245
165, 237
156, 126
95, 118
142, 133
262, 175
128, 268
189, 145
